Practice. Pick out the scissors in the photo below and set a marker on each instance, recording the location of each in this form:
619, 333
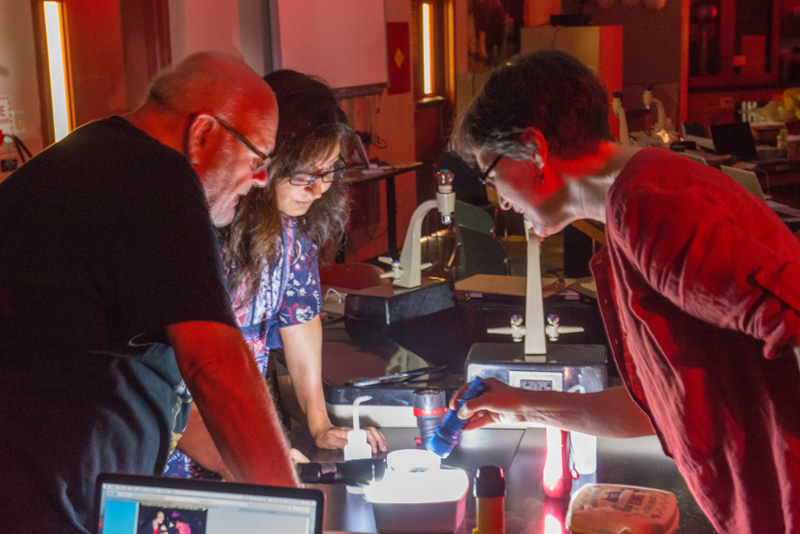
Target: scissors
398, 378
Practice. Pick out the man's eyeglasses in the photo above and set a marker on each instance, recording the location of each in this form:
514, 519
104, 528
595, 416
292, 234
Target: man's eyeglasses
484, 177
308, 178
265, 159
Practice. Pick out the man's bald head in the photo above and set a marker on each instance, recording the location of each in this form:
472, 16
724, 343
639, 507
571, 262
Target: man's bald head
222, 116
211, 82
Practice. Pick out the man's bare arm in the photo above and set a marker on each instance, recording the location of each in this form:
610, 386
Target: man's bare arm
234, 402
608, 413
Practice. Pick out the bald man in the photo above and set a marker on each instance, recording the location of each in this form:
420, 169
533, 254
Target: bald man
111, 295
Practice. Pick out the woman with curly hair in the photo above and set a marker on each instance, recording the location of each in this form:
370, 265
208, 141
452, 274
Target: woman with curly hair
272, 249
280, 233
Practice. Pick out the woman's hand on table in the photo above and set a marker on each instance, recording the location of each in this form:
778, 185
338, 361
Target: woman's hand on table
335, 437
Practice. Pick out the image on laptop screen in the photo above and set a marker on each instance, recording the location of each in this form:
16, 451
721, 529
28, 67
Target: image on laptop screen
130, 504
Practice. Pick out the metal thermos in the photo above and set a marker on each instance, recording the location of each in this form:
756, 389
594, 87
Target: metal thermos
430, 406
445, 438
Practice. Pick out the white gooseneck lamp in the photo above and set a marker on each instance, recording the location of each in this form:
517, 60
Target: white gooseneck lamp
407, 272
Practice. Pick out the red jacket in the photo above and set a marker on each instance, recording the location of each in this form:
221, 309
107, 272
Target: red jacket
699, 288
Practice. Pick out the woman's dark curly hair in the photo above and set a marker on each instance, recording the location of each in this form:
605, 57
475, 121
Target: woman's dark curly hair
310, 126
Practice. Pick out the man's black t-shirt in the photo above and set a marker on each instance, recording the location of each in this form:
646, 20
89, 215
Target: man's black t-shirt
105, 239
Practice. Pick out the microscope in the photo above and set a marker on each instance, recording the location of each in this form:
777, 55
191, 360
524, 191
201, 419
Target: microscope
407, 271
534, 335
539, 367
649, 101
619, 112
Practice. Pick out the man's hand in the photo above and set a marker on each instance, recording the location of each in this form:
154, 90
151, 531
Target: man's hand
298, 457
607, 413
500, 403
234, 401
197, 444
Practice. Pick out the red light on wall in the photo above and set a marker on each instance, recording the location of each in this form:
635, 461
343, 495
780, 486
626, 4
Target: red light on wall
427, 48
57, 68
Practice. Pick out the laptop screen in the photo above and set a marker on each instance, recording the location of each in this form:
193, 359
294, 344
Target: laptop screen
734, 138
130, 504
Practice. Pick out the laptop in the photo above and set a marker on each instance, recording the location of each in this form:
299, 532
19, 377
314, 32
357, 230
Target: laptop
748, 179
133, 504
736, 139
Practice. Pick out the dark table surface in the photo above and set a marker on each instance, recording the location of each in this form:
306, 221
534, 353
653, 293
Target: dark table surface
444, 338
520, 452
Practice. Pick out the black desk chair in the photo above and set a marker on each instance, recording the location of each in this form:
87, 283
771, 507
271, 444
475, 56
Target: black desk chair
479, 253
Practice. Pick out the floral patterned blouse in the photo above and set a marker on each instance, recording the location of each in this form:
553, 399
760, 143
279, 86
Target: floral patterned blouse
289, 294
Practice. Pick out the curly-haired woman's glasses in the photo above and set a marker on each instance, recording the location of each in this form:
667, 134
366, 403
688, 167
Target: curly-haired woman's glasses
308, 178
